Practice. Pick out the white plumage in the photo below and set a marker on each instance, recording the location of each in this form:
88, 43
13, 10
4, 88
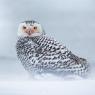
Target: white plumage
41, 54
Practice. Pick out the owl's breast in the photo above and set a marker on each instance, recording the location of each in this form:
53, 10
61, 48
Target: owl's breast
25, 49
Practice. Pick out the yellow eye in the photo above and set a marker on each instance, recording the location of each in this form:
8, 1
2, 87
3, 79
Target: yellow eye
35, 27
24, 27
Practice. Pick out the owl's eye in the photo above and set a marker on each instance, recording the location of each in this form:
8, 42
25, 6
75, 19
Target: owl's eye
35, 27
24, 27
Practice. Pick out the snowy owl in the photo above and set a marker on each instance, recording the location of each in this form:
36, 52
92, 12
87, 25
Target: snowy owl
40, 54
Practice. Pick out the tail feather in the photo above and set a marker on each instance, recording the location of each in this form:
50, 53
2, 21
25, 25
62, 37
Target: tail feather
83, 69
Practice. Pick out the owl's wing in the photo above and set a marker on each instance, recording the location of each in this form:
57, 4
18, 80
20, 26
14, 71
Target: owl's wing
52, 55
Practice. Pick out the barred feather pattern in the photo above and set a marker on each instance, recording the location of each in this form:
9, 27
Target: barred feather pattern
42, 54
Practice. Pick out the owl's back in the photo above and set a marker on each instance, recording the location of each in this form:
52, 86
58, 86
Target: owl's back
43, 55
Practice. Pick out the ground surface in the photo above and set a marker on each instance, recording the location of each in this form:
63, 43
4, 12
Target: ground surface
14, 80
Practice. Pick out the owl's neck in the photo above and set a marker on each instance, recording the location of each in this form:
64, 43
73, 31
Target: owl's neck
23, 40
37, 39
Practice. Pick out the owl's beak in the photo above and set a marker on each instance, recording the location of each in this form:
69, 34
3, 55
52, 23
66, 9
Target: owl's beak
30, 31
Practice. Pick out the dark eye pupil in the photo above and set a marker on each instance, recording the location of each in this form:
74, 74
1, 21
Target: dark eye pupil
24, 27
35, 27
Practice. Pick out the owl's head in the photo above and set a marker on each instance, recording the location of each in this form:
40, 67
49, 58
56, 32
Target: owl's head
30, 29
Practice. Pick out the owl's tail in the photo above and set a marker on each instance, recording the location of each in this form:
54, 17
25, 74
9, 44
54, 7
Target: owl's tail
83, 68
